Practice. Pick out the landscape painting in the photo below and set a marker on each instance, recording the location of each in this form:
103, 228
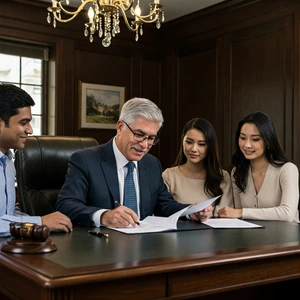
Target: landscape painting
100, 105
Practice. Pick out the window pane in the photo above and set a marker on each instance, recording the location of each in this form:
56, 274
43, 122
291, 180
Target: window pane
9, 68
31, 70
36, 93
23, 66
36, 125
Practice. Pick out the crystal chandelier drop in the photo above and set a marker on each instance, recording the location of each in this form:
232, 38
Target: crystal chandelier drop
104, 17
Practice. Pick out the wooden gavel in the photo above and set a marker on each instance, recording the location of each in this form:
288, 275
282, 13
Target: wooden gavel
29, 231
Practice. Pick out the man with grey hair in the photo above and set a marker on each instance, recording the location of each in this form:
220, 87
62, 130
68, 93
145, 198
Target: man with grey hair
94, 192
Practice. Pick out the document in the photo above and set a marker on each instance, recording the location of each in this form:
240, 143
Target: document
158, 224
230, 223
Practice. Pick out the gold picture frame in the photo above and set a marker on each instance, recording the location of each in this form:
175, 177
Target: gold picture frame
99, 105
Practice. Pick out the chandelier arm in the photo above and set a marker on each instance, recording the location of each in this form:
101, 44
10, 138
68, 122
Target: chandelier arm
154, 12
127, 23
81, 6
141, 18
63, 20
120, 4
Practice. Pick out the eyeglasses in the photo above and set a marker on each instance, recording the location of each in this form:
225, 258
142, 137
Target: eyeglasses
140, 136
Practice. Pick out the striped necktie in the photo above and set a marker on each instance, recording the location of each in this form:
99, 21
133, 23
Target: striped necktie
129, 189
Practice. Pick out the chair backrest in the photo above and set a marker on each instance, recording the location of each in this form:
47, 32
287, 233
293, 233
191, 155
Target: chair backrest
41, 168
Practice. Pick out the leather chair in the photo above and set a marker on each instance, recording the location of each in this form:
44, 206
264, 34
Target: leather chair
41, 168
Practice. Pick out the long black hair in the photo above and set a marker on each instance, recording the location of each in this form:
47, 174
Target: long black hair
273, 151
214, 175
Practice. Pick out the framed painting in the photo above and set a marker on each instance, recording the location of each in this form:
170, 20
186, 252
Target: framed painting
99, 105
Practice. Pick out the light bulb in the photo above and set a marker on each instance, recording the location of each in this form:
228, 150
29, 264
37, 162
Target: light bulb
137, 10
91, 14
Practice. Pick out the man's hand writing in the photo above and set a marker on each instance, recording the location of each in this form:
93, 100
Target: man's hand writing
120, 217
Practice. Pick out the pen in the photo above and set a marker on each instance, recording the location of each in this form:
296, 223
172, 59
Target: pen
137, 223
97, 233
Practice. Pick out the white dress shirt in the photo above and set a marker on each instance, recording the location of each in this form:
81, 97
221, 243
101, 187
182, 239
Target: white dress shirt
122, 172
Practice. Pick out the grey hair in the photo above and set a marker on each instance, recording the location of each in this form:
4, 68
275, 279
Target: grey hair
141, 107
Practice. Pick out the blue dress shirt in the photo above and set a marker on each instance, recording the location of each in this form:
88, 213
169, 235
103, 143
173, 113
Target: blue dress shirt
9, 211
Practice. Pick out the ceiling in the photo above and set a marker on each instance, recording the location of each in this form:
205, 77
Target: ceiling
173, 8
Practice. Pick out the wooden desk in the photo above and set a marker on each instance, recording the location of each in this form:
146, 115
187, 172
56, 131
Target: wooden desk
170, 265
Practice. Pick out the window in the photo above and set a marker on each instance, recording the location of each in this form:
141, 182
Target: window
25, 66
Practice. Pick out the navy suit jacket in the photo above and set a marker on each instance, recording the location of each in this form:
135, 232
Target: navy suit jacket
92, 183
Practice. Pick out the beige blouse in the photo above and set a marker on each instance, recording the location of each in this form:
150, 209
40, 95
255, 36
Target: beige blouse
188, 190
277, 198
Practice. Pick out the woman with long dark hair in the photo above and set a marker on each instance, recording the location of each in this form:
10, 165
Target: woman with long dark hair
197, 174
265, 182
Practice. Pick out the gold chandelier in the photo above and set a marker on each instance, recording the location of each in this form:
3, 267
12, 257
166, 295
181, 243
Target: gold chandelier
104, 17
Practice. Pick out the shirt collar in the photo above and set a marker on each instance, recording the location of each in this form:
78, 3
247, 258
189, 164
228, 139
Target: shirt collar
9, 154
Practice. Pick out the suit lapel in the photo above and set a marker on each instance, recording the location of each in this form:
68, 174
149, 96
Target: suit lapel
109, 168
144, 188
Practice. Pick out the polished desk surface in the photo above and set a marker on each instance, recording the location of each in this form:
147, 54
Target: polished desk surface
83, 258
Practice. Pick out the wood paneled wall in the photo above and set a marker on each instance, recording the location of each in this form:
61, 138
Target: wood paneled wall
220, 63
238, 57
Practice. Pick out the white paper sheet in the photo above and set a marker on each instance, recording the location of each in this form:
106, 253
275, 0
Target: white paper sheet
198, 207
230, 223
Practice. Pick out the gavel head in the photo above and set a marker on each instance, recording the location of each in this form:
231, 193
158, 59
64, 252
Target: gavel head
29, 231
